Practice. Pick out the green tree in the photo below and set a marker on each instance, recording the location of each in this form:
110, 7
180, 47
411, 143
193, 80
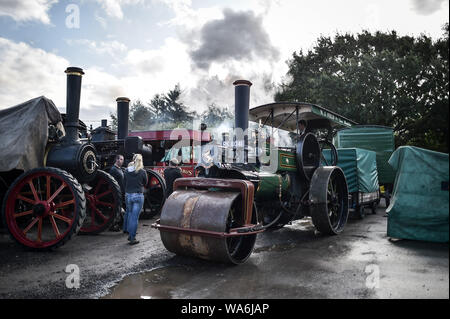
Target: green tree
381, 79
164, 111
168, 111
214, 115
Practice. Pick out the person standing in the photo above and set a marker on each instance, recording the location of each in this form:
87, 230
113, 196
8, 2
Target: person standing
135, 181
116, 171
302, 127
171, 174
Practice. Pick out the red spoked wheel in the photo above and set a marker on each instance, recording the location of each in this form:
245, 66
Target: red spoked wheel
104, 201
43, 208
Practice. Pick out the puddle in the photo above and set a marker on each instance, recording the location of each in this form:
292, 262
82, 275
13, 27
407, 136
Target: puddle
157, 284
362, 251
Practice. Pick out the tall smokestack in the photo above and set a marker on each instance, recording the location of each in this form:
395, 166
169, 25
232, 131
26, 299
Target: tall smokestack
123, 113
71, 125
104, 123
241, 110
241, 103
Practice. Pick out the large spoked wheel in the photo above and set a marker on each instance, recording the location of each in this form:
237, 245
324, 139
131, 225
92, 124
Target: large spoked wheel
155, 195
43, 208
326, 145
104, 201
329, 200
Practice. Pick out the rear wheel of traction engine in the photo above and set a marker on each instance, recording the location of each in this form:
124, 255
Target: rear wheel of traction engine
43, 208
104, 201
155, 195
329, 200
208, 211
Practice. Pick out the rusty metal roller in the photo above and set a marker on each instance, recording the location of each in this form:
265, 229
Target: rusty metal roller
211, 213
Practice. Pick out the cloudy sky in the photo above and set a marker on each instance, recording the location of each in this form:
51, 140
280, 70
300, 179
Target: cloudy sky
138, 48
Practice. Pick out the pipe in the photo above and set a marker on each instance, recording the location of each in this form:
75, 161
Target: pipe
71, 125
241, 110
123, 114
241, 103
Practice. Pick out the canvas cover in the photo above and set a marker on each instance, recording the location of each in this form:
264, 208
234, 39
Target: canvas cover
379, 139
360, 168
419, 204
24, 133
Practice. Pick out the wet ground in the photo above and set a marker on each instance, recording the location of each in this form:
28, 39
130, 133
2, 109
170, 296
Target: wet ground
293, 262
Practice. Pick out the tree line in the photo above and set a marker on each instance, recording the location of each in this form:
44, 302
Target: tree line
166, 111
377, 78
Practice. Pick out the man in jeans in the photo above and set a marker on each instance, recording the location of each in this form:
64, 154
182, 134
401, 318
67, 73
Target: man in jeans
135, 181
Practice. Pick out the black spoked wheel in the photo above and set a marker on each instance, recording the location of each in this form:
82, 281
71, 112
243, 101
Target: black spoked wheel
329, 200
155, 195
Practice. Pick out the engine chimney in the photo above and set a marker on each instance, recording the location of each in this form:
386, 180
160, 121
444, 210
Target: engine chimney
104, 123
241, 103
73, 105
241, 110
123, 113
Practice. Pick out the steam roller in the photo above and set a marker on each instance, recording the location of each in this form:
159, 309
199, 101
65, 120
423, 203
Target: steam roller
217, 215
207, 222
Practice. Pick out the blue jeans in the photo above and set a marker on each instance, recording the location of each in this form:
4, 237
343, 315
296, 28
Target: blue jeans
134, 203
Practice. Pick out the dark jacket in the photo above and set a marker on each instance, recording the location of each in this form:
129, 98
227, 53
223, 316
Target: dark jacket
170, 175
135, 181
117, 173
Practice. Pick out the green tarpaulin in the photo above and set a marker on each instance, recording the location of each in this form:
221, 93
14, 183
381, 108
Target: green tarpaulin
379, 139
360, 168
419, 204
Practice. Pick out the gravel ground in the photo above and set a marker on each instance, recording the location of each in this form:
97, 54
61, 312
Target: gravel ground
293, 262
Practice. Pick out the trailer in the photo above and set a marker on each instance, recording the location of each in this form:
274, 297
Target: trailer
360, 169
379, 139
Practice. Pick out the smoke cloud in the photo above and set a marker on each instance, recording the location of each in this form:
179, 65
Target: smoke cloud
427, 7
238, 36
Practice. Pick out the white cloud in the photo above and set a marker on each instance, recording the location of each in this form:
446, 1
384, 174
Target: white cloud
27, 10
140, 73
427, 7
112, 48
113, 8
28, 72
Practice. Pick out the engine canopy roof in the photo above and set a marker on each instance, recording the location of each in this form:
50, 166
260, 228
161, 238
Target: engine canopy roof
285, 118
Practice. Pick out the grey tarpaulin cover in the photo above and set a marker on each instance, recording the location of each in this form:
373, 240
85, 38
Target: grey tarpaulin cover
24, 133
